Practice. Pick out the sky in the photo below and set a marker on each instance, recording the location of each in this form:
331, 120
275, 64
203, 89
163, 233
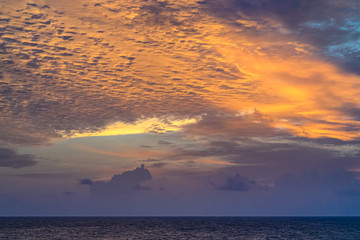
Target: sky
179, 108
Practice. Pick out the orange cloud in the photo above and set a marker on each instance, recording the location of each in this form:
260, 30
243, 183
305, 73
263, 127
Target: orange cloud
295, 88
122, 67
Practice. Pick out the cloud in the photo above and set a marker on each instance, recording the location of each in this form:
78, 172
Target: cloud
149, 160
267, 157
326, 141
65, 77
122, 183
263, 149
350, 110
253, 124
69, 75
86, 181
238, 183
9, 158
158, 165
330, 26
166, 143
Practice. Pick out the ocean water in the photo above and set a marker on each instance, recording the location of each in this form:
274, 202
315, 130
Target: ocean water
179, 228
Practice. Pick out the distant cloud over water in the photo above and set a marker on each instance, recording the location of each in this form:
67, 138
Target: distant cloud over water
121, 183
230, 103
9, 158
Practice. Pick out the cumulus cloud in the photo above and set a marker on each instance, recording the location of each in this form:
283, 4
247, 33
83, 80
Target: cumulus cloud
120, 183
238, 183
9, 158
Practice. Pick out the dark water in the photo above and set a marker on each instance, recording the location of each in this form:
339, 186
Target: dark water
179, 228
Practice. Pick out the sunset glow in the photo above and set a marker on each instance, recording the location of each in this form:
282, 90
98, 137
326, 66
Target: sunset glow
215, 96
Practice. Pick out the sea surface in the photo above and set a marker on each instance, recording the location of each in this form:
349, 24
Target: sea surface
179, 228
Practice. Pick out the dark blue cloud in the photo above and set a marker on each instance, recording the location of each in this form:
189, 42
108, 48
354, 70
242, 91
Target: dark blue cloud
238, 183
120, 183
9, 158
86, 181
251, 125
333, 27
158, 165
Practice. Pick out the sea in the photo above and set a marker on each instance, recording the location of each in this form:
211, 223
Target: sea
179, 228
